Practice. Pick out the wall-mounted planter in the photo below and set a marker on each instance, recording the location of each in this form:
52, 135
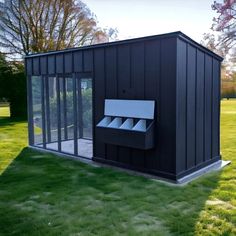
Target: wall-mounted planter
128, 123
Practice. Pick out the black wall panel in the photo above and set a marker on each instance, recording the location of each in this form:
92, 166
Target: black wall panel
152, 70
181, 118
111, 90
111, 72
196, 112
51, 65
124, 90
197, 108
43, 65
29, 66
137, 84
215, 108
191, 108
88, 60
200, 107
59, 63
36, 67
68, 63
99, 96
137, 80
208, 108
78, 61
167, 110
123, 72
152, 91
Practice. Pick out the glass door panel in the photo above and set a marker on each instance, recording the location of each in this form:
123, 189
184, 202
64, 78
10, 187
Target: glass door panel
84, 116
37, 109
52, 114
86, 97
62, 108
67, 144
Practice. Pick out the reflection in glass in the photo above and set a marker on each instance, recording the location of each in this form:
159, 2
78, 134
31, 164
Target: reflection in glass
53, 116
37, 109
68, 144
86, 96
60, 105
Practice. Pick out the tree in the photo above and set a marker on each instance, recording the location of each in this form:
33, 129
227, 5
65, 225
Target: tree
28, 26
214, 43
226, 21
5, 73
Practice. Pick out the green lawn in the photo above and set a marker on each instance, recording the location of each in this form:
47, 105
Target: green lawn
4, 112
42, 194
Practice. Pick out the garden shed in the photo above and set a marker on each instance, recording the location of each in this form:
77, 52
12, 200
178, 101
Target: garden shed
149, 104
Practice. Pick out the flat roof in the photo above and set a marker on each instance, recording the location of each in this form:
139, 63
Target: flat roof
178, 34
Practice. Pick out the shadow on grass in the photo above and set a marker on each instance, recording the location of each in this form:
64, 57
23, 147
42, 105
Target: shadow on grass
13, 137
7, 121
45, 194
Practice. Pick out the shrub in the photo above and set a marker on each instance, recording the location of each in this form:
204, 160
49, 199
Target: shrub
13, 87
18, 95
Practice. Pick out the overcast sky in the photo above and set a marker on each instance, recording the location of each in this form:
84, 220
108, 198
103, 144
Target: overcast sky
136, 18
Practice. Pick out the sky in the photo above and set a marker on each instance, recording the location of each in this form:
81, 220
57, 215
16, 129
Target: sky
137, 18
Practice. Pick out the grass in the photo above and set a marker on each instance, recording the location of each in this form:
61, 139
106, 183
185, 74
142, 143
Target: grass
4, 111
43, 194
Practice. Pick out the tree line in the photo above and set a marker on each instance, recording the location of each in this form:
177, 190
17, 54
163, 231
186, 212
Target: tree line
222, 40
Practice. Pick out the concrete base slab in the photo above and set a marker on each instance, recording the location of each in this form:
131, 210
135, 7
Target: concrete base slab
85, 147
213, 167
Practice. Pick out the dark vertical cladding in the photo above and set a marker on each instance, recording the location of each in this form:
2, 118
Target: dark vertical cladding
51, 65
88, 60
215, 108
208, 110
137, 71
59, 63
137, 84
111, 72
181, 106
68, 63
167, 108
43, 65
191, 107
197, 108
36, 66
124, 90
200, 108
123, 71
29, 69
78, 61
152, 90
99, 96
182, 78
111, 90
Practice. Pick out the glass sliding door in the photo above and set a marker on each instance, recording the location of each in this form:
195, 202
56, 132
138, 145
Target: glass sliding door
62, 112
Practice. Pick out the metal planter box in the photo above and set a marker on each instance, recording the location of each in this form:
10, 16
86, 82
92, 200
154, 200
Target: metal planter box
128, 123
126, 138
